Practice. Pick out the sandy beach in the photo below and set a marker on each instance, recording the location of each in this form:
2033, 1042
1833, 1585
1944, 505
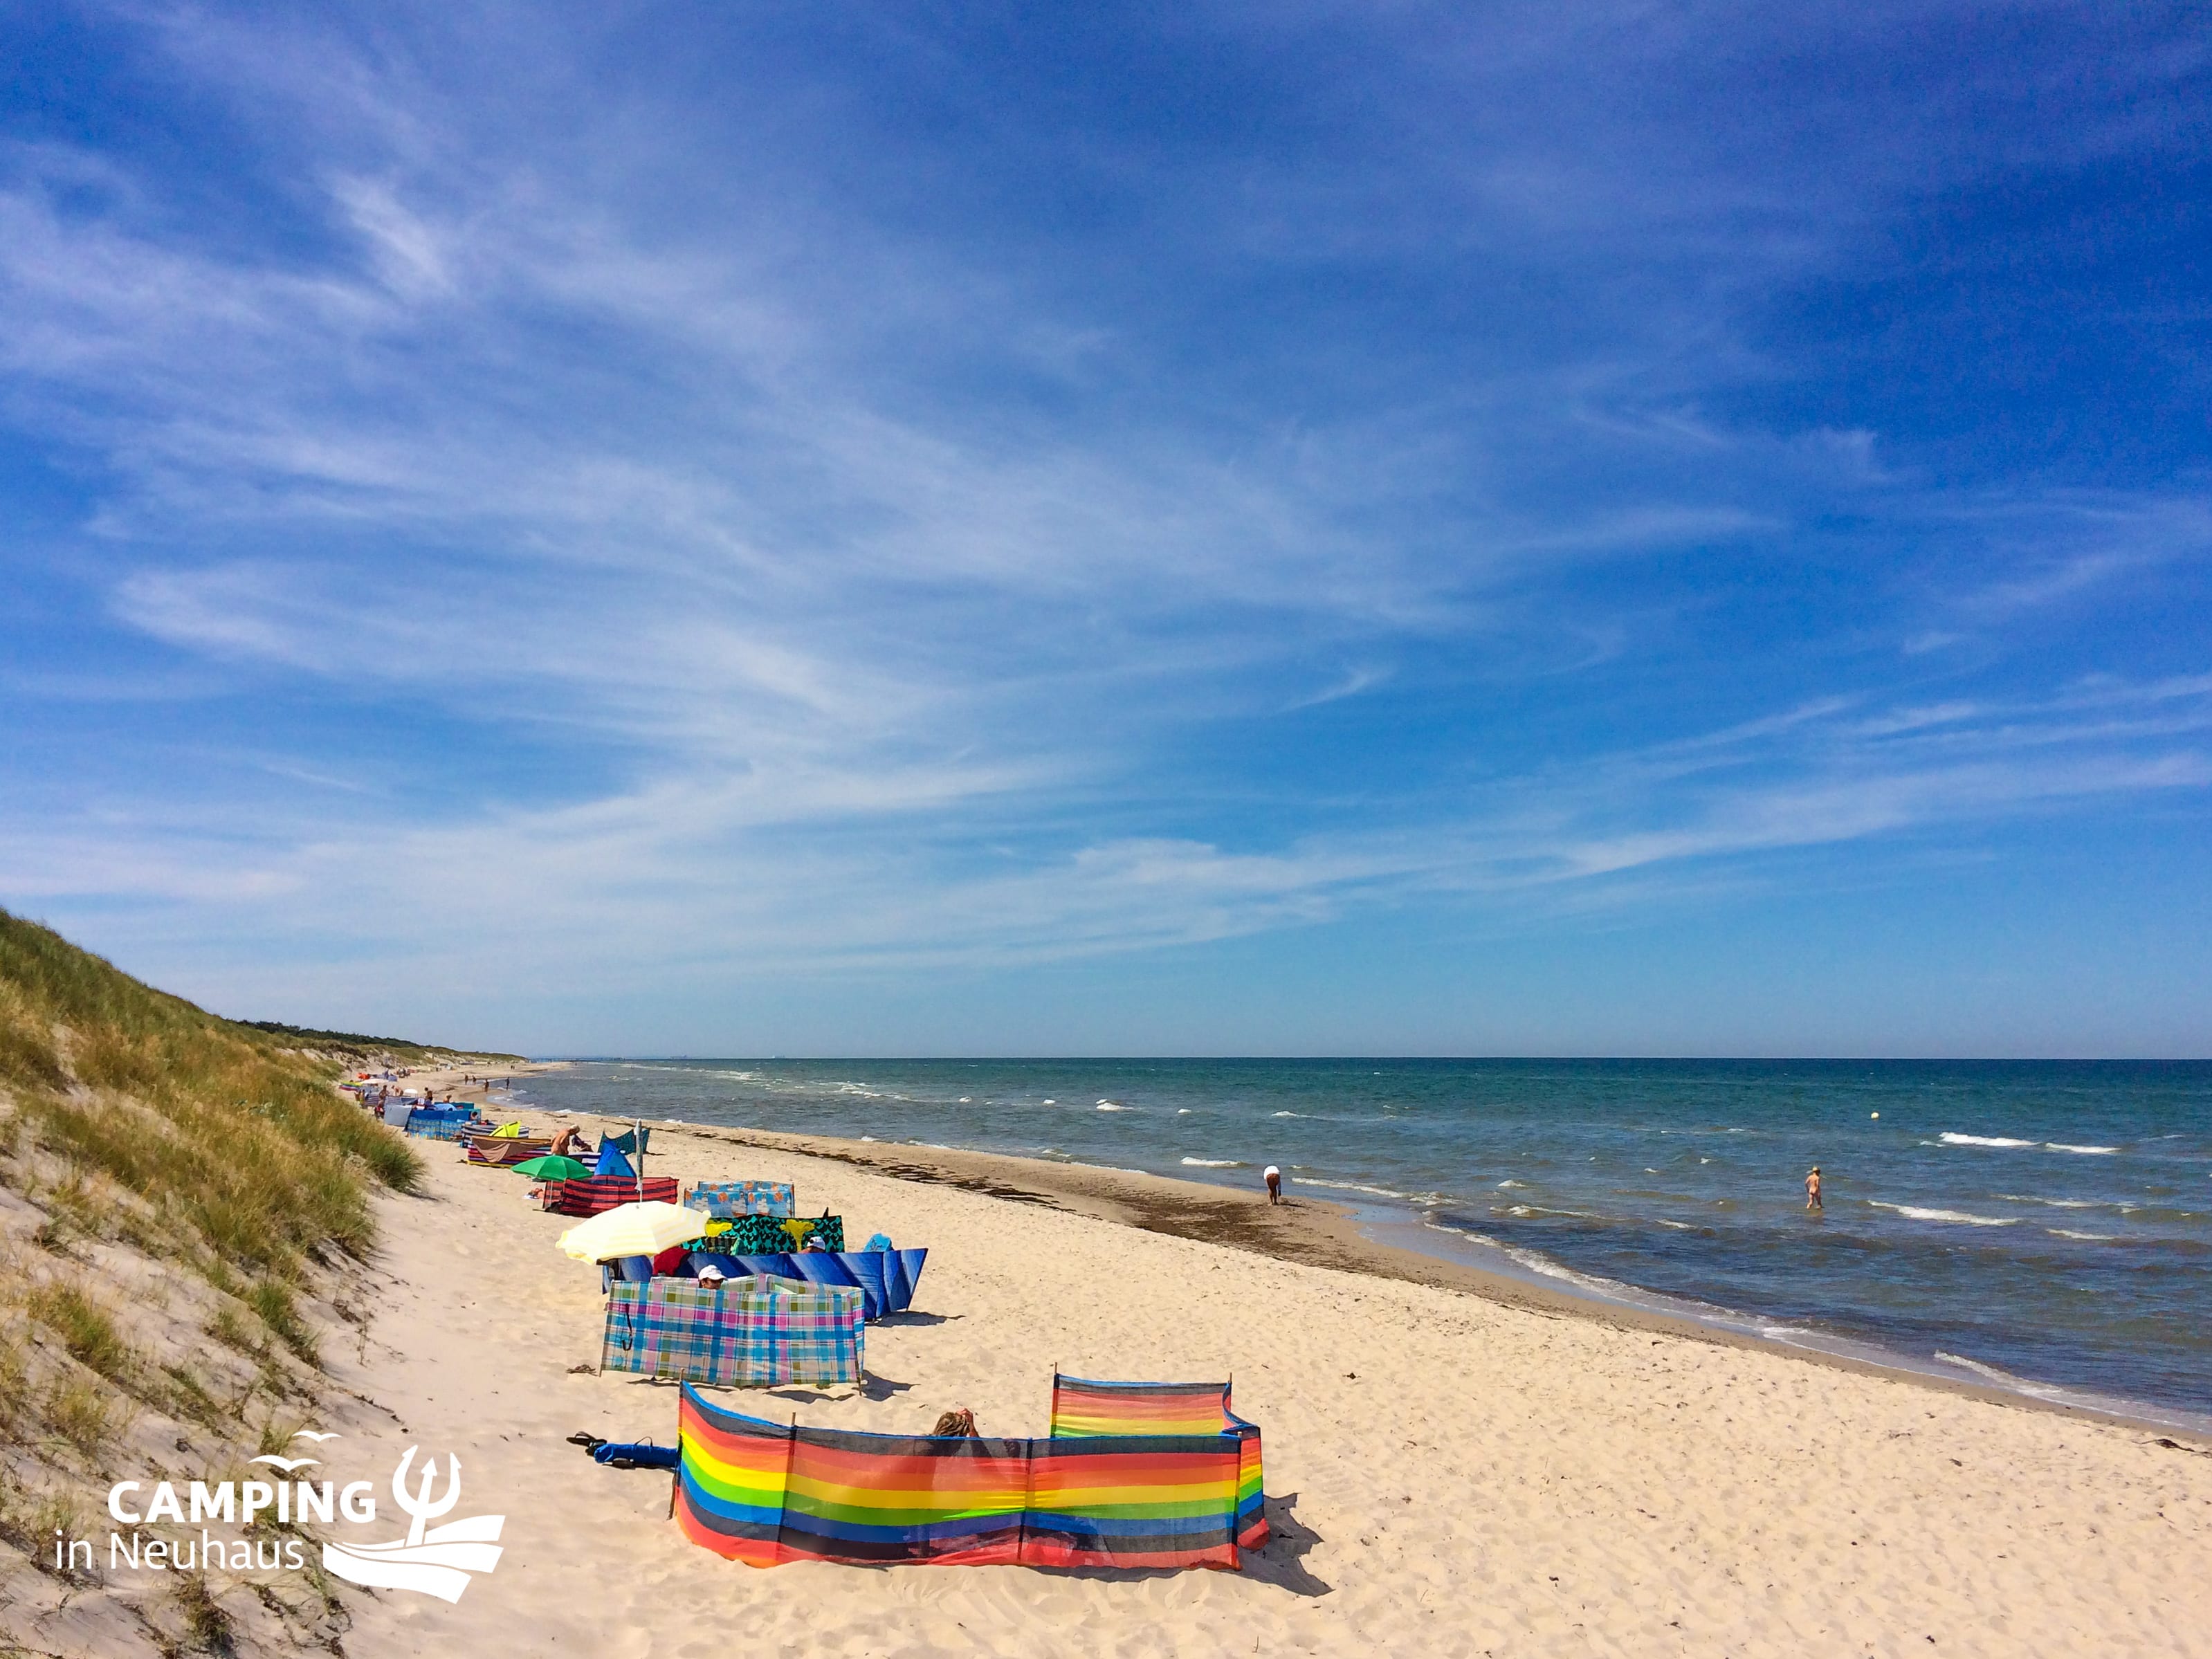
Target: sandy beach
1449, 1471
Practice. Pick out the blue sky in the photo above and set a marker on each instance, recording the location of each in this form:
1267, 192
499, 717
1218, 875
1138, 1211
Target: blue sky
1216, 529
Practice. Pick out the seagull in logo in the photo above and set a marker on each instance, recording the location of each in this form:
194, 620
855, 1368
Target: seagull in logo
289, 1464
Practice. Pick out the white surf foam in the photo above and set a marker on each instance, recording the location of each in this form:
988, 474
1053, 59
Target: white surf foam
2059, 1203
1917, 1214
1536, 1262
1508, 1186
2087, 1152
1290, 1114
1952, 1139
1108, 1106
1346, 1187
1183, 1111
2093, 1238
1215, 1162
2017, 1384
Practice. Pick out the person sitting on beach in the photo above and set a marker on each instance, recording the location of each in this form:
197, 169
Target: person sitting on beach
1813, 1190
570, 1144
957, 1424
1274, 1178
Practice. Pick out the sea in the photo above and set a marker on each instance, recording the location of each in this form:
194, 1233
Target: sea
2044, 1227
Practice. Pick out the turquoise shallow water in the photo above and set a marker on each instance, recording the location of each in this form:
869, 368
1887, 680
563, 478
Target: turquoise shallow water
2047, 1224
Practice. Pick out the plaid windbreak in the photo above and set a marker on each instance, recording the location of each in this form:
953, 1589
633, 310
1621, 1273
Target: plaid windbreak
725, 1199
750, 1333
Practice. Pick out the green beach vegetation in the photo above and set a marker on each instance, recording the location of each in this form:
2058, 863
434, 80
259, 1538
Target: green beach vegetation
185, 1195
229, 1148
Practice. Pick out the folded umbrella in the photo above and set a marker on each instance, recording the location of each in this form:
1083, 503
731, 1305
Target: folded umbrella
632, 1230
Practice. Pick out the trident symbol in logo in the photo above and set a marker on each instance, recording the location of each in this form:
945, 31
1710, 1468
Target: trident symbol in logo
437, 1563
418, 1504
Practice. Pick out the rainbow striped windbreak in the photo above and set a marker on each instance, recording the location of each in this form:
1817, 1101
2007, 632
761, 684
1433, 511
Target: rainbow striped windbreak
1082, 1407
769, 1492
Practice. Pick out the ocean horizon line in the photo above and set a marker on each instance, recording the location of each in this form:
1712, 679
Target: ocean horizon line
1074, 1059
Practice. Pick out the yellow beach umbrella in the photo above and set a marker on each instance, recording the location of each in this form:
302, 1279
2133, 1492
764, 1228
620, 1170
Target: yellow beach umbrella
632, 1230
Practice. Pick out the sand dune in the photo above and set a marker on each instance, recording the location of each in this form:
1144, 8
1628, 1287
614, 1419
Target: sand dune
1447, 1474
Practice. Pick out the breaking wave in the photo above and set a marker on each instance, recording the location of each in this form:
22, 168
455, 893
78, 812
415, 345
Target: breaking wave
1917, 1214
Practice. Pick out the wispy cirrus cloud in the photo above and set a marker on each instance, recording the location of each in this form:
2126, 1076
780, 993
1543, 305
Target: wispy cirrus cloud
766, 524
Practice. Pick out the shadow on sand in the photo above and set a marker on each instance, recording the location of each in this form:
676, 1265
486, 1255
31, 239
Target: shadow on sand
1282, 1563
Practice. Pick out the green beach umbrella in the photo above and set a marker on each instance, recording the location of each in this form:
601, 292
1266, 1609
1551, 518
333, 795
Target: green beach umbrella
552, 1169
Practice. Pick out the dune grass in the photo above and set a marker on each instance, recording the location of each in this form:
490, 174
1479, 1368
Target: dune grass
194, 1183
87, 1330
234, 1143
131, 1116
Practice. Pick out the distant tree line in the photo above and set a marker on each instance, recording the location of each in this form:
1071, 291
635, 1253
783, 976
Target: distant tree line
350, 1039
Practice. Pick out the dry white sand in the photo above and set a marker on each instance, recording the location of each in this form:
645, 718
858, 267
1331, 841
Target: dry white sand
1446, 1475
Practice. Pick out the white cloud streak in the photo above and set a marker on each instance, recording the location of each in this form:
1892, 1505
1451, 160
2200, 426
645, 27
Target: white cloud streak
883, 582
